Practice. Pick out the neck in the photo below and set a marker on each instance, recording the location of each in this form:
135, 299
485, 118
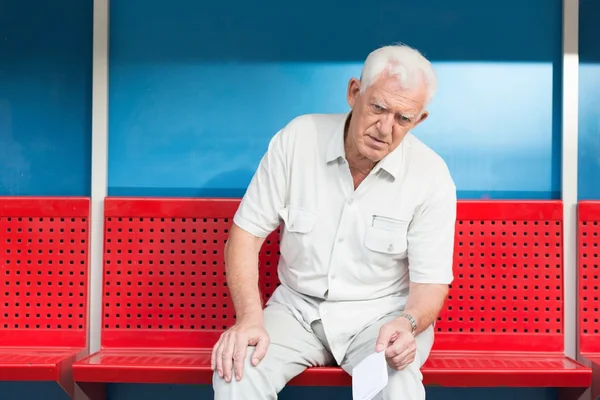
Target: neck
359, 165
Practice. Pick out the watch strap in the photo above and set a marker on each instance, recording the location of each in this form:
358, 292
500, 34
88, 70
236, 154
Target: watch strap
411, 319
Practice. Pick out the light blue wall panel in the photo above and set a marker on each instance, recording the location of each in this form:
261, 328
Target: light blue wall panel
198, 89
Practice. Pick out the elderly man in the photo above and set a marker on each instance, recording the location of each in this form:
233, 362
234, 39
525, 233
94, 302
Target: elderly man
368, 214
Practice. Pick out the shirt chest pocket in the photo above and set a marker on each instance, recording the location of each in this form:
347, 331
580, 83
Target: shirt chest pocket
297, 220
387, 236
296, 237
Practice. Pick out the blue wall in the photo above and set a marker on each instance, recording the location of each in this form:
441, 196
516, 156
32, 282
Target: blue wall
45, 97
589, 100
198, 89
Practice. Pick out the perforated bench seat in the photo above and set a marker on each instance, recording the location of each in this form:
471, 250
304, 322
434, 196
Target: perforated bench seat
491, 369
37, 363
165, 298
43, 300
145, 366
443, 368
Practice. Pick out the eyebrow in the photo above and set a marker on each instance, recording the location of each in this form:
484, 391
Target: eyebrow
382, 104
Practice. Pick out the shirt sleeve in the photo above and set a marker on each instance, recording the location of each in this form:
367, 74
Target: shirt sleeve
431, 235
258, 212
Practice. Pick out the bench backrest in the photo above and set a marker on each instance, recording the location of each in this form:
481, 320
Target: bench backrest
589, 276
43, 271
164, 280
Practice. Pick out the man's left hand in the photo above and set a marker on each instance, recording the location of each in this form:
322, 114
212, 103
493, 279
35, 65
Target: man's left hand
399, 344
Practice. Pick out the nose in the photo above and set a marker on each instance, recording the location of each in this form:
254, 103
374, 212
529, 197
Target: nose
386, 123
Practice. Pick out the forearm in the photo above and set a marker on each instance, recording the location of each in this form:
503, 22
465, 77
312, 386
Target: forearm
241, 266
424, 303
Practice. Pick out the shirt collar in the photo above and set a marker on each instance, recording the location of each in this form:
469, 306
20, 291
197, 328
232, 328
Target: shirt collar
392, 163
335, 148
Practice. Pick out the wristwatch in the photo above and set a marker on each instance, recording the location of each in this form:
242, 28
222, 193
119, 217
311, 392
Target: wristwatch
413, 323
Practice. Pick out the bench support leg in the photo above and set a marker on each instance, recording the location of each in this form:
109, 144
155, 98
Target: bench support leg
90, 391
595, 381
571, 393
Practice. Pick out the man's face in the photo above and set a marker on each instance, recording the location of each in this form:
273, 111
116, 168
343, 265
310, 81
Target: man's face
382, 115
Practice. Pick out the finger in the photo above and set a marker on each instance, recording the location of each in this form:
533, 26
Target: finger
213, 355
399, 345
239, 356
227, 357
260, 351
385, 334
403, 359
219, 354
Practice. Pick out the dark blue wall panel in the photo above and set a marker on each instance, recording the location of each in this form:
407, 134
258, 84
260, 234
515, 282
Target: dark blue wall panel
197, 89
589, 100
45, 97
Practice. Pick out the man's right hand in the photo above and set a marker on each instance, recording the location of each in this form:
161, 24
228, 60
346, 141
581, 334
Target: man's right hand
233, 345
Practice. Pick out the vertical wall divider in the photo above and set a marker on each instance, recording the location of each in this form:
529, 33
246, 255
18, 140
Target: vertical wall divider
570, 115
99, 179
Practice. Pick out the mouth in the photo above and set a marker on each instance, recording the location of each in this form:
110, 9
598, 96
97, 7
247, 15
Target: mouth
377, 142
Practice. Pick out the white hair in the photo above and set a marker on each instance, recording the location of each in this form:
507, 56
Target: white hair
401, 61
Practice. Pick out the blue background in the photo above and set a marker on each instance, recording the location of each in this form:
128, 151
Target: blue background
197, 89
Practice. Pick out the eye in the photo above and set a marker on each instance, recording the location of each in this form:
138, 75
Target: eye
377, 107
404, 119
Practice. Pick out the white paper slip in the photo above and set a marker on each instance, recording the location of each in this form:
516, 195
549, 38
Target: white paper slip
369, 377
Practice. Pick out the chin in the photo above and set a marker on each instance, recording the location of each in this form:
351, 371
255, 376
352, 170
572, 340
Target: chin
372, 154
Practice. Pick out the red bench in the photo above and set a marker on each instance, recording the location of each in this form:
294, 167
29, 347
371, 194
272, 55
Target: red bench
589, 287
165, 299
43, 281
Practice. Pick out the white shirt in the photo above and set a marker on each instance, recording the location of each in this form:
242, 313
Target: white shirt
347, 256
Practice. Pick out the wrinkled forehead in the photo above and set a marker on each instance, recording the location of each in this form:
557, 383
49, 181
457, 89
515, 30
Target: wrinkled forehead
394, 96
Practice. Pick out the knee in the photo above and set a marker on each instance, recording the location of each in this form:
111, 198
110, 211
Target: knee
408, 381
246, 373
254, 383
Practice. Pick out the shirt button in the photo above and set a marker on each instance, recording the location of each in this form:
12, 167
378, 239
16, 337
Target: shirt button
324, 312
340, 240
390, 247
292, 226
350, 202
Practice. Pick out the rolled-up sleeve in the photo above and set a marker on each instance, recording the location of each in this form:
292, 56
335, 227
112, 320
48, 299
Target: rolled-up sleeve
258, 212
431, 235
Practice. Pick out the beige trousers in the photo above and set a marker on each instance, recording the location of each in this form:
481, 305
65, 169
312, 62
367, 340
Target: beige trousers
293, 349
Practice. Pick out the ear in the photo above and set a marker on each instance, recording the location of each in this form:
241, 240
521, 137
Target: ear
353, 91
424, 116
